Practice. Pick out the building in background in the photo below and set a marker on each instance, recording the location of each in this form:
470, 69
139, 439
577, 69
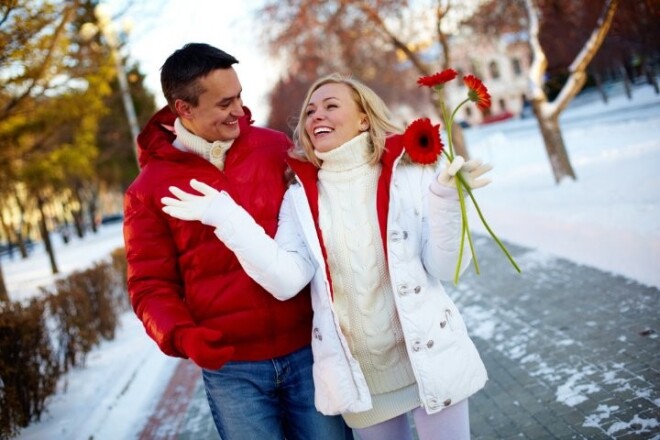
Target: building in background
502, 64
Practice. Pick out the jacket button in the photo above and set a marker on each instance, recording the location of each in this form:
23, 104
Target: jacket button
405, 234
443, 324
418, 289
430, 343
403, 289
317, 334
447, 402
417, 345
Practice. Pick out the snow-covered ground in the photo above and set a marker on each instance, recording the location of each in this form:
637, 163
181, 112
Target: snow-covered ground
609, 218
112, 396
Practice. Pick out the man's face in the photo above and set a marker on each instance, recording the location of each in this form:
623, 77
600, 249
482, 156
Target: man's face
215, 118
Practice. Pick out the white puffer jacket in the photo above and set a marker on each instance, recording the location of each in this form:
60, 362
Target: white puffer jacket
421, 232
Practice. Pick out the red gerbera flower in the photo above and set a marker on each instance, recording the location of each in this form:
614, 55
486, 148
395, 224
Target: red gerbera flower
422, 141
478, 92
438, 79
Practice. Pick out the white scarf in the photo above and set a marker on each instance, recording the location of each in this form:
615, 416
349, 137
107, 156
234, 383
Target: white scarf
214, 152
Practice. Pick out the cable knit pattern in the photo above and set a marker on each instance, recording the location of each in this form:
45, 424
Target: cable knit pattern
363, 296
214, 152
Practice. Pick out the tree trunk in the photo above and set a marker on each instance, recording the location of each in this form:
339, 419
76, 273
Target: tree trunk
78, 222
45, 236
4, 295
78, 219
599, 86
92, 208
555, 147
649, 71
626, 82
20, 241
547, 113
9, 234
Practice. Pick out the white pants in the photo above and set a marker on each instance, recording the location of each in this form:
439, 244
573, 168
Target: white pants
452, 423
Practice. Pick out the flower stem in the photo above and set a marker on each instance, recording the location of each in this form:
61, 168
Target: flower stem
465, 229
449, 122
485, 223
461, 186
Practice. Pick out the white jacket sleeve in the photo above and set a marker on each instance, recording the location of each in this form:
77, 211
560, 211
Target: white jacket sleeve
444, 223
281, 265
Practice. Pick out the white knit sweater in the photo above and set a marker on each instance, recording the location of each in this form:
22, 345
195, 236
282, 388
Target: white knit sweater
363, 297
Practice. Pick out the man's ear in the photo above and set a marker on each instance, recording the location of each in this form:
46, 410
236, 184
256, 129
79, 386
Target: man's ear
183, 109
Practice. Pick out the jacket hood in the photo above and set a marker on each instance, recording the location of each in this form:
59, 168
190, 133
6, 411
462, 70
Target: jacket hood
155, 140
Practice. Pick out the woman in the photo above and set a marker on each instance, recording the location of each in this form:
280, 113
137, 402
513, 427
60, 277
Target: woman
374, 233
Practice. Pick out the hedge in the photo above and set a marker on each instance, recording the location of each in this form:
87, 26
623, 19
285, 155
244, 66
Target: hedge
43, 339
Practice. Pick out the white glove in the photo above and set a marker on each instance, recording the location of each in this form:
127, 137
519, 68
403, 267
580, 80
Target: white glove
204, 208
470, 171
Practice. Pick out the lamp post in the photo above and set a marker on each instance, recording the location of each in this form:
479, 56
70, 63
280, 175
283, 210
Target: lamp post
107, 29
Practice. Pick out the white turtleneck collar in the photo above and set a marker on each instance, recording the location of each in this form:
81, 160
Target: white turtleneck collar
214, 152
352, 154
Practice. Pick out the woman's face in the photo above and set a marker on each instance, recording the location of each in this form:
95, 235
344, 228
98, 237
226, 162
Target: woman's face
332, 117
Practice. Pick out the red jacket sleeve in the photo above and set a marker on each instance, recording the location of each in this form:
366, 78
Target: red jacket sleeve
154, 281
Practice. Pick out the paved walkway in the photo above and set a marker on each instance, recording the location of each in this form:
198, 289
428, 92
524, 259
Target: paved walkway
571, 352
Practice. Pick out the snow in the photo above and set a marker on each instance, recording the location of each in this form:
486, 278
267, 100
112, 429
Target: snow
115, 392
608, 218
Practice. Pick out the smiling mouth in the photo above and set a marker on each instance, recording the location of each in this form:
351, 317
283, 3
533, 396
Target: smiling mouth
322, 130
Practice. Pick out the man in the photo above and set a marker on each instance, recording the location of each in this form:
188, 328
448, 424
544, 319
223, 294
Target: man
187, 288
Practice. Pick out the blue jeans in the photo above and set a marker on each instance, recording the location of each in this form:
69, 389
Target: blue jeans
271, 399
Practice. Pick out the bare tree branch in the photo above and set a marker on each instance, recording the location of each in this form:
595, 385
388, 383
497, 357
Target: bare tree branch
578, 67
539, 60
8, 6
375, 18
441, 13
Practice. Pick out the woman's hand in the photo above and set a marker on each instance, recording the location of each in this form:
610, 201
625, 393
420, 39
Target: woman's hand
187, 206
471, 171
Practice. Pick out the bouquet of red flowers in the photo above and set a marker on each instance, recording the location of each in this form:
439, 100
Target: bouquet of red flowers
423, 145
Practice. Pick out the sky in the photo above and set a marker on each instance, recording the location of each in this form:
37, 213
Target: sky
158, 28
609, 219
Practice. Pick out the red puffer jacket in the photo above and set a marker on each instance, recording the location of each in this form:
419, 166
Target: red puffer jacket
180, 274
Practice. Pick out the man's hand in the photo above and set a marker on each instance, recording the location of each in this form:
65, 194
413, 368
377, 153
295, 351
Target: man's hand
471, 171
204, 346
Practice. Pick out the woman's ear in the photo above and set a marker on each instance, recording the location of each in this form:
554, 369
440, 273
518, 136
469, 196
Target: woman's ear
364, 125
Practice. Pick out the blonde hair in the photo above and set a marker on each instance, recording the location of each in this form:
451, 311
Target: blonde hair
368, 102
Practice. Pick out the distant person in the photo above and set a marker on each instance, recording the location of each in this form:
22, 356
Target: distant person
527, 110
188, 289
374, 232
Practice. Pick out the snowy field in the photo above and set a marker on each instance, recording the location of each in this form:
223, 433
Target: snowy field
609, 219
